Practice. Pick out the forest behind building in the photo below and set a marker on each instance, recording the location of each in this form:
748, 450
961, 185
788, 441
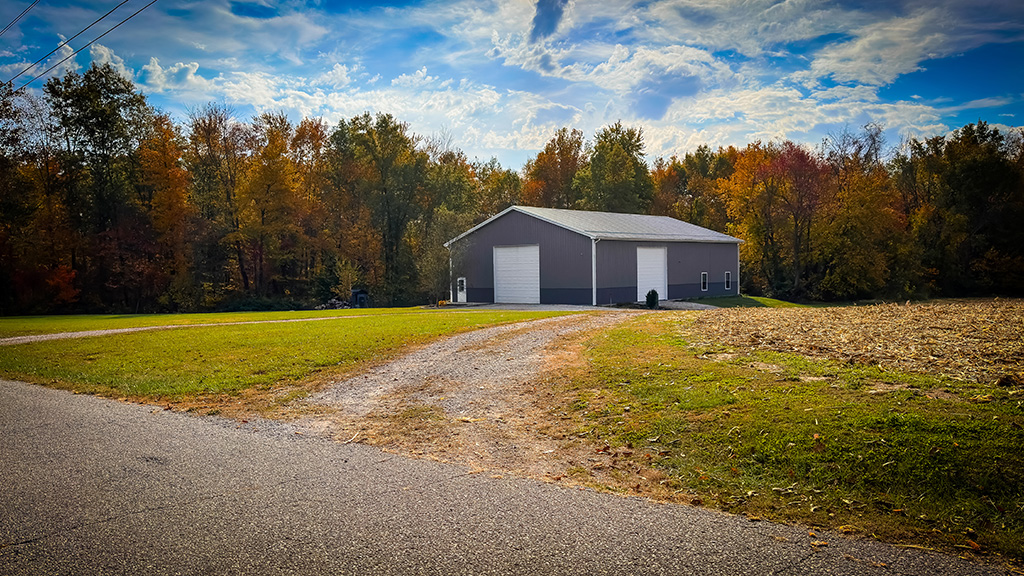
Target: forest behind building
108, 205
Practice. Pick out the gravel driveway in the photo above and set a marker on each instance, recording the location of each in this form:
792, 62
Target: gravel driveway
478, 398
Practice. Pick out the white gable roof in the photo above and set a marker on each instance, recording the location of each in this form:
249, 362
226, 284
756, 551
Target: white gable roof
612, 226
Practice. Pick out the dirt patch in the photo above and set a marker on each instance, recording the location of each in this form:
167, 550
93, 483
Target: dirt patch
482, 398
886, 387
974, 340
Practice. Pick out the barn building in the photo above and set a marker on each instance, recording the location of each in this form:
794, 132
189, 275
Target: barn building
549, 256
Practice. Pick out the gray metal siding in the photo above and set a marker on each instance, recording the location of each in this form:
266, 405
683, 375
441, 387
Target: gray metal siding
688, 260
564, 259
616, 269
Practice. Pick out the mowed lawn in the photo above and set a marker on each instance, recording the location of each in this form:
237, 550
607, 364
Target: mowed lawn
31, 325
216, 359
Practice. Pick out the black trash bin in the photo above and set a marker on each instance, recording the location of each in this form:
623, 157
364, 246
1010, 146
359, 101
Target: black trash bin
360, 298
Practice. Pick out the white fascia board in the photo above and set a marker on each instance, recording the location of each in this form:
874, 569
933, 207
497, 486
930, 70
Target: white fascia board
659, 238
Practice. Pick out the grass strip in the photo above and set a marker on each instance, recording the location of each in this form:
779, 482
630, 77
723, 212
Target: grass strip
30, 325
902, 456
747, 302
172, 364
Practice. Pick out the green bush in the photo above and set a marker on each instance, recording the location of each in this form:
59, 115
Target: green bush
652, 299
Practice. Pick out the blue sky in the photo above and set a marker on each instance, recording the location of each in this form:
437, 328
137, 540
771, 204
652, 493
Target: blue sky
499, 78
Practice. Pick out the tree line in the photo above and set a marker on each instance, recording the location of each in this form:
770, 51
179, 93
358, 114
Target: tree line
107, 204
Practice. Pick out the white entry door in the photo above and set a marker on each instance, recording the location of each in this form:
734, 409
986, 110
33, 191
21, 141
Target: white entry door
460, 290
651, 272
517, 274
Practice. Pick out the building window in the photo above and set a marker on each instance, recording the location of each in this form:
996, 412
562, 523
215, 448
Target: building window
703, 281
728, 280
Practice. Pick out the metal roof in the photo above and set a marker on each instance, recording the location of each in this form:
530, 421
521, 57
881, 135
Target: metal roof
612, 226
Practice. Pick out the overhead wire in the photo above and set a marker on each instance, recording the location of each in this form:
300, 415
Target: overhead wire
64, 43
73, 54
15, 21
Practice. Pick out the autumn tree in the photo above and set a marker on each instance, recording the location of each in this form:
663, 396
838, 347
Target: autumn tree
450, 180
394, 173
216, 157
433, 259
309, 153
753, 193
268, 206
352, 251
499, 188
616, 178
101, 120
860, 225
964, 200
171, 211
669, 180
774, 197
687, 189
20, 270
802, 200
548, 180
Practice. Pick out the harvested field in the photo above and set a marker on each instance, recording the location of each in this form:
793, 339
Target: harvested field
972, 340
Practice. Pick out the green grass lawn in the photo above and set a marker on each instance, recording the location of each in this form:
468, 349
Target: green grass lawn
742, 301
905, 457
29, 325
174, 363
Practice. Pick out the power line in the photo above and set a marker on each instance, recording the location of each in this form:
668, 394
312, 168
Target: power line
15, 21
64, 43
73, 54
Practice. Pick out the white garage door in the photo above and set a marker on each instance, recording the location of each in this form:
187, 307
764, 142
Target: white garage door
651, 272
517, 274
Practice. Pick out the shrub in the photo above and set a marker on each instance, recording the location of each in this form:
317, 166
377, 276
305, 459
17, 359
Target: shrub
652, 299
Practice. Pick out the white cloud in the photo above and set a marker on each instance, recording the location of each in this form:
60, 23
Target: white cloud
179, 77
977, 104
258, 89
336, 78
69, 65
100, 54
841, 94
885, 50
418, 79
751, 27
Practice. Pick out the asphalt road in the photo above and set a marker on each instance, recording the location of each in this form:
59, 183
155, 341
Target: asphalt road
92, 486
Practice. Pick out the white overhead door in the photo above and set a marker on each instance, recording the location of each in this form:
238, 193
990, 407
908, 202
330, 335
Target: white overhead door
517, 274
651, 272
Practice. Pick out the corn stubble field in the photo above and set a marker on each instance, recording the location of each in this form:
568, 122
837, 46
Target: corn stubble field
897, 421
